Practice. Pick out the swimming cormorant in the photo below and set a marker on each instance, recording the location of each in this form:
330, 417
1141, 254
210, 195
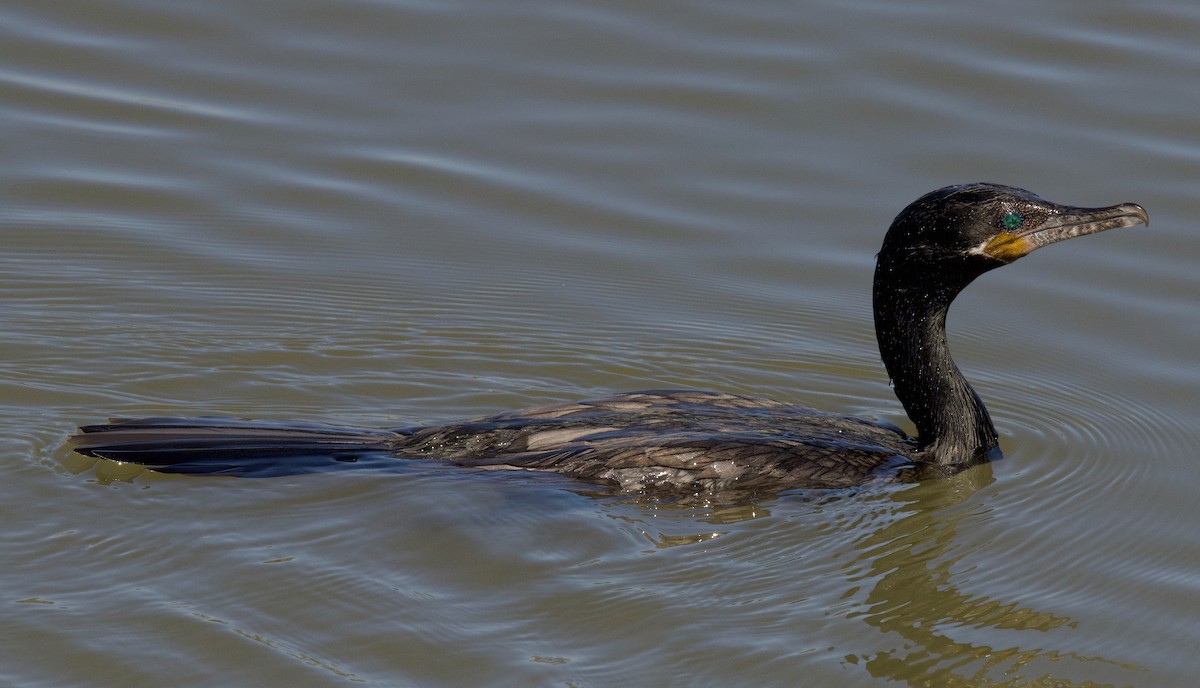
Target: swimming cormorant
695, 440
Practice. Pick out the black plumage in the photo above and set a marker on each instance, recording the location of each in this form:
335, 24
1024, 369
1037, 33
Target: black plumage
695, 440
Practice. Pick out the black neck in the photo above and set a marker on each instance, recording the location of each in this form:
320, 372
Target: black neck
953, 427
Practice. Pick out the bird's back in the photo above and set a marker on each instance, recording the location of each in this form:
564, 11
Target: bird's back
675, 439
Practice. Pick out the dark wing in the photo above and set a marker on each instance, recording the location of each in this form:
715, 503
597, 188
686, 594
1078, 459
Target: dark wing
679, 439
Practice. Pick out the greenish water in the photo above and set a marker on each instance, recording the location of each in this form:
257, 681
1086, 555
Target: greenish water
392, 212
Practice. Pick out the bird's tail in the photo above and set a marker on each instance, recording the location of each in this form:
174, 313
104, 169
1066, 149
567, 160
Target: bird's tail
233, 447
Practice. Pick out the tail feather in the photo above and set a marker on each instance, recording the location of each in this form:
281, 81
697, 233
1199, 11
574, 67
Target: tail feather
233, 447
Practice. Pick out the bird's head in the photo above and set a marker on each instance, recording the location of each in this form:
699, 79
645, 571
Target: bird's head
969, 229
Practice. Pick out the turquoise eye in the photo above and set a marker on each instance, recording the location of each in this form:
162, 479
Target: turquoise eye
1011, 220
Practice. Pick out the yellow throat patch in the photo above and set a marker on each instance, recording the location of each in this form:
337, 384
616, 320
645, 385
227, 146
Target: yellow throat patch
1007, 247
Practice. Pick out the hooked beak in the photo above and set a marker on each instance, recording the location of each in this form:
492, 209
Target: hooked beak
1068, 223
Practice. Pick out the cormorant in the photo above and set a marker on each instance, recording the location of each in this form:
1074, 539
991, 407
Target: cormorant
693, 440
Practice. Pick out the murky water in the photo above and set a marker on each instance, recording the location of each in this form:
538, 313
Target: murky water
391, 212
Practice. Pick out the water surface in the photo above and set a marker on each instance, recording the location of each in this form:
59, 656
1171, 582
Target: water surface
396, 212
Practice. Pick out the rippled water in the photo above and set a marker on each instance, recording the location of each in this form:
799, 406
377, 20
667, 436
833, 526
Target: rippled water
391, 212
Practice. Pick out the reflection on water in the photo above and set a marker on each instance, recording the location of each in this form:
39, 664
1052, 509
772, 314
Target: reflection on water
658, 515
913, 562
902, 581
